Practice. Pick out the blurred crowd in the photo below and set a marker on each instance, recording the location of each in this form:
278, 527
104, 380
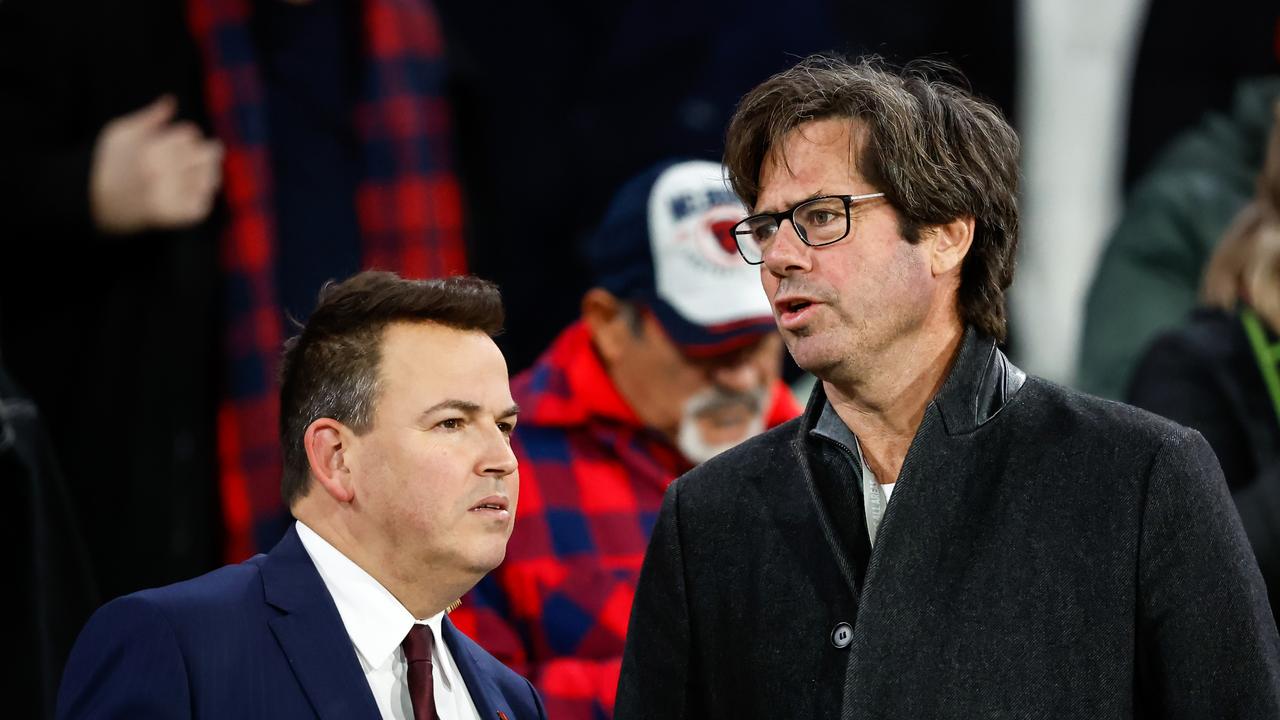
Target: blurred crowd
180, 180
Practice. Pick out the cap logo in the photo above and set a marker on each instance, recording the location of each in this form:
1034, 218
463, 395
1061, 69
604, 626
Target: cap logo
687, 203
722, 230
697, 269
702, 222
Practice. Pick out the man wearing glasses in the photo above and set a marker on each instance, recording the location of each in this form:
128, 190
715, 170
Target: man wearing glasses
939, 535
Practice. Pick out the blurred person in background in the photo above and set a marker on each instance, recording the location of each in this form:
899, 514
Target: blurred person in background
675, 358
192, 172
1148, 276
1197, 129
1173, 89
183, 255
1219, 372
108, 307
338, 139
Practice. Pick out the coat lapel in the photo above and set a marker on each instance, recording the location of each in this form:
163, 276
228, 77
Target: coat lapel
940, 492
312, 635
806, 452
939, 509
920, 546
489, 701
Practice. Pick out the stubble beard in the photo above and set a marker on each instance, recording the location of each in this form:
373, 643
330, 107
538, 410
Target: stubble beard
829, 358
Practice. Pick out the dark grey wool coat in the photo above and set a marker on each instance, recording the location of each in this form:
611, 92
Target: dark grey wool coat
1045, 554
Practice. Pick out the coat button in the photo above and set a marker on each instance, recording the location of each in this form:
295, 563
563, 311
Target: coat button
842, 635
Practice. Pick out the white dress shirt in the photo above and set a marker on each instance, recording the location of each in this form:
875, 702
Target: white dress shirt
377, 623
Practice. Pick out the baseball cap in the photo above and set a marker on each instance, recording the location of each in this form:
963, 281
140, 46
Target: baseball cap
666, 242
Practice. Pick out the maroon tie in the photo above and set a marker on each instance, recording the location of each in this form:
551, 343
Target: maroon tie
417, 653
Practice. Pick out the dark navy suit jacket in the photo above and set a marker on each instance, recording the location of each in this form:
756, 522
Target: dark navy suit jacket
262, 639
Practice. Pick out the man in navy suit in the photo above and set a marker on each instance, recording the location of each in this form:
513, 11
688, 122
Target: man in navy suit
396, 418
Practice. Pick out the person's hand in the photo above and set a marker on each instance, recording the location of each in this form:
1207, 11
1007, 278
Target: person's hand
150, 173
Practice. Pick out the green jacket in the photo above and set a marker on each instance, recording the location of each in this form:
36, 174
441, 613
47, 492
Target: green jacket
1149, 275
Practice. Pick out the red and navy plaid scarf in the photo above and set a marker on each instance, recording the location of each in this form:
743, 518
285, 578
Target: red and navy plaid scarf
408, 205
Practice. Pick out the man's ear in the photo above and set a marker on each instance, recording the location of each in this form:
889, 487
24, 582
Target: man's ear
327, 442
951, 243
607, 323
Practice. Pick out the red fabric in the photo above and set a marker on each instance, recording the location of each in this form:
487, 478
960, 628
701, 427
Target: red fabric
591, 483
407, 202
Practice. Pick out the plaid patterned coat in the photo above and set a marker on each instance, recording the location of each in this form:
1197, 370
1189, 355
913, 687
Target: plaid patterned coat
408, 204
592, 479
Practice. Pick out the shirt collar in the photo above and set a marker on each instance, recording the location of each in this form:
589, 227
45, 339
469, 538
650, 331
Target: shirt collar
375, 620
830, 426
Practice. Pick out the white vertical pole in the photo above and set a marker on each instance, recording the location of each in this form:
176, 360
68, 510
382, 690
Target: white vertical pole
1077, 59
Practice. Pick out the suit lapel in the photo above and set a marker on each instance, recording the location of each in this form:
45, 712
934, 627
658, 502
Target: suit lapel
489, 701
312, 635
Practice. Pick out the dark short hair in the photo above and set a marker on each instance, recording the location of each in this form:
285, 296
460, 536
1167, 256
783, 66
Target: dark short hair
937, 153
331, 368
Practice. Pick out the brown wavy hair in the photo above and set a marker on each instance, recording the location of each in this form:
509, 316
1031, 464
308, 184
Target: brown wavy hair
936, 151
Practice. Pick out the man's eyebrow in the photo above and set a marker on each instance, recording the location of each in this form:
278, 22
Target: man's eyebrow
787, 206
467, 407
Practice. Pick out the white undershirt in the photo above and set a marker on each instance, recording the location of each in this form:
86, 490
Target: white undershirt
888, 490
875, 495
377, 623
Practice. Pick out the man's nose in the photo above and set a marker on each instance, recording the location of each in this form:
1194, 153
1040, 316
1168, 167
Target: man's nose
499, 459
787, 253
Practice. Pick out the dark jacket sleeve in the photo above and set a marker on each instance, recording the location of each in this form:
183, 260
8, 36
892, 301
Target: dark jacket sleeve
654, 684
1149, 272
1204, 376
1259, 506
126, 664
1147, 276
1207, 642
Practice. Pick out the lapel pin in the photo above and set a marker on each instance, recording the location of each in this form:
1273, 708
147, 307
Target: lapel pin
502, 715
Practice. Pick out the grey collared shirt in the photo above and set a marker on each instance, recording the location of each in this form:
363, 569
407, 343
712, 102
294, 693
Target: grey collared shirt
874, 498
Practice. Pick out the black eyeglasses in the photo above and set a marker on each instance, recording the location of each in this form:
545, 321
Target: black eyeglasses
820, 221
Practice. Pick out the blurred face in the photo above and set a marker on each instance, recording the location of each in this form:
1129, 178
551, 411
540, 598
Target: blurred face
435, 476
704, 405
840, 306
